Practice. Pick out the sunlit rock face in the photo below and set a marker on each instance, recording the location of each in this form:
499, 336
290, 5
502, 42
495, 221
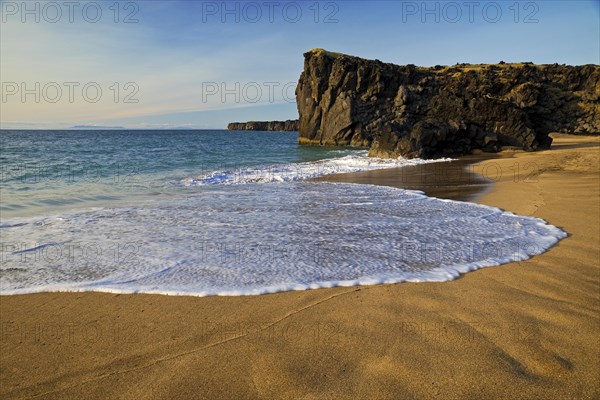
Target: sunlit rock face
409, 111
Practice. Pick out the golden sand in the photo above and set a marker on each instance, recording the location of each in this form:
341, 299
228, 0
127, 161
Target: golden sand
521, 330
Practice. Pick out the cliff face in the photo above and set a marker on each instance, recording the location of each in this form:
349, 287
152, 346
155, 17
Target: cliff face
288, 125
431, 112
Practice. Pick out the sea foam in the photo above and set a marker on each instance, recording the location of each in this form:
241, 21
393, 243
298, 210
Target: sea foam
300, 171
263, 238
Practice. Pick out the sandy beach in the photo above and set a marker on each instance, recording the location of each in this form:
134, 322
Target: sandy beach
521, 330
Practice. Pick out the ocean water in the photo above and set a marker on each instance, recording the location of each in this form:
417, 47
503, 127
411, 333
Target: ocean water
228, 213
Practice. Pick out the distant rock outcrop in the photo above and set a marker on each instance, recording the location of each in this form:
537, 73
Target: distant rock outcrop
430, 112
288, 125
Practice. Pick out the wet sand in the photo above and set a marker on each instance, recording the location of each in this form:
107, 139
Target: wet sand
521, 330
455, 180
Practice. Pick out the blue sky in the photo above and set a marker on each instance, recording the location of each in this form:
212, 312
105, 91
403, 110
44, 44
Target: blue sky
165, 64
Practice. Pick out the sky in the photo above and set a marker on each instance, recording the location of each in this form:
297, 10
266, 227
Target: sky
153, 64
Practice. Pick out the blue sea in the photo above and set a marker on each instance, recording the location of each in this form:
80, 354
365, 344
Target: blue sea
215, 212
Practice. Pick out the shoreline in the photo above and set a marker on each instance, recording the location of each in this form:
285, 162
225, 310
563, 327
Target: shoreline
452, 180
531, 327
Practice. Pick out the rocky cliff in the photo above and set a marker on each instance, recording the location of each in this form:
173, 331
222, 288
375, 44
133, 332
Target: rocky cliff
431, 112
288, 125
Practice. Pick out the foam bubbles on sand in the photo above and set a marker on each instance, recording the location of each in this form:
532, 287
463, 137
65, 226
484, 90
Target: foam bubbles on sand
253, 239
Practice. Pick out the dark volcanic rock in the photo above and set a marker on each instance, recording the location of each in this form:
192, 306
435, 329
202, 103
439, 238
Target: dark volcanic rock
430, 112
289, 125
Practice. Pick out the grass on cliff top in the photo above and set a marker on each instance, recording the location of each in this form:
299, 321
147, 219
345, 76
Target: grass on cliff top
478, 67
462, 67
322, 52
